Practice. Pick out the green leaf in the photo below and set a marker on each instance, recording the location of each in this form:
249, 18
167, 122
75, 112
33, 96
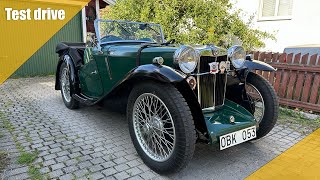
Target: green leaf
192, 22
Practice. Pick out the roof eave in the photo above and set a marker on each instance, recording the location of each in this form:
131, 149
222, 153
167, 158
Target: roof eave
110, 2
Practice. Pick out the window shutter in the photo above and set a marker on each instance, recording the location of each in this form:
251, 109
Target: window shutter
285, 8
268, 8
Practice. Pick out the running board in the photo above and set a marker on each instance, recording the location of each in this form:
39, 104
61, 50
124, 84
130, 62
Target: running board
84, 100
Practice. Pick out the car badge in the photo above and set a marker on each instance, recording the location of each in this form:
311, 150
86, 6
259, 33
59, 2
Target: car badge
222, 66
214, 67
228, 66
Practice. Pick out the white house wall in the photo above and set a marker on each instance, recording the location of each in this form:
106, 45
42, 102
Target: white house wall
303, 28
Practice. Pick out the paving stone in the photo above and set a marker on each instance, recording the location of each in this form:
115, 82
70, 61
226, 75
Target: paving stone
56, 173
148, 175
18, 171
55, 150
130, 157
19, 176
96, 175
44, 170
143, 167
50, 156
120, 154
85, 158
55, 145
97, 161
48, 162
120, 160
66, 177
135, 178
36, 146
70, 169
96, 168
108, 164
74, 155
57, 166
62, 159
81, 172
121, 167
97, 154
109, 171
85, 164
121, 175
63, 153
133, 163
71, 162
95, 143
133, 171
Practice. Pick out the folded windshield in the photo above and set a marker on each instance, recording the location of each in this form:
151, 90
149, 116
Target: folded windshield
110, 31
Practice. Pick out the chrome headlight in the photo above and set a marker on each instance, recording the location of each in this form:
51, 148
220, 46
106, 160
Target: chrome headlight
237, 56
187, 58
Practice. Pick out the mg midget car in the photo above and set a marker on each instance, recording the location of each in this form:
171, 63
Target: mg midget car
174, 95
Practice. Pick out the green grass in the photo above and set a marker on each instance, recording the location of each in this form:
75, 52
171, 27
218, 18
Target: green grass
4, 160
7, 124
77, 158
34, 173
27, 158
297, 121
1, 135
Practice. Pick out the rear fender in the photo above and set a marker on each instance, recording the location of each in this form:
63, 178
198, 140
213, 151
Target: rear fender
67, 59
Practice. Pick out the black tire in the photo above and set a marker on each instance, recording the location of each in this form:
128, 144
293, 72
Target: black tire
185, 132
271, 103
72, 103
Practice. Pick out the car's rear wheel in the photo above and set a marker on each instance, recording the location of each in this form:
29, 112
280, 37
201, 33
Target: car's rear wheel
161, 126
265, 101
65, 86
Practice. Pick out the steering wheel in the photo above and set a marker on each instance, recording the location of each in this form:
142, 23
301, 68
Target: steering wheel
108, 38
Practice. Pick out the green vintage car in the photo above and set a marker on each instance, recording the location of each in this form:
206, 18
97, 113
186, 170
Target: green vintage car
174, 95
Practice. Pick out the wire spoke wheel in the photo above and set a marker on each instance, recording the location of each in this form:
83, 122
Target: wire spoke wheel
154, 127
65, 84
258, 101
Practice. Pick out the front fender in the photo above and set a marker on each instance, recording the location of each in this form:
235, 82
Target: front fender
160, 73
153, 72
257, 65
164, 74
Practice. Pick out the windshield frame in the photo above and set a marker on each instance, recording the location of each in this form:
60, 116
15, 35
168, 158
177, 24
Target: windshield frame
97, 29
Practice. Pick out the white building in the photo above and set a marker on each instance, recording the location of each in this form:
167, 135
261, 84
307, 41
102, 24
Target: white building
294, 22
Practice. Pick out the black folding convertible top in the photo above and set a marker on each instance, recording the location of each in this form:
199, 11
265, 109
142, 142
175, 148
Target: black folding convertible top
76, 51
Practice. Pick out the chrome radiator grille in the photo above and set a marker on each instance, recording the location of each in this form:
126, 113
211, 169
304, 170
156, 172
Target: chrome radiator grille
212, 87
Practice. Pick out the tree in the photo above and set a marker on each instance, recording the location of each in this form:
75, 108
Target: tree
192, 21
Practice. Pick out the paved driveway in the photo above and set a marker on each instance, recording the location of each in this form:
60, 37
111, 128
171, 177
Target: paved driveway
94, 143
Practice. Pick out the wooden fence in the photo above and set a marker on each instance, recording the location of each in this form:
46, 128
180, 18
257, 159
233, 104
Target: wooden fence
297, 79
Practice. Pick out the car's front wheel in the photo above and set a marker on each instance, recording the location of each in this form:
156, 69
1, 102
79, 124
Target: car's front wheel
65, 86
161, 126
265, 103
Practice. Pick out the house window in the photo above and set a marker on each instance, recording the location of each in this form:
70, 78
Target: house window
275, 9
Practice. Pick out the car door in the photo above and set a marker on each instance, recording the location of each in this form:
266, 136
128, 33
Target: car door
90, 80
114, 62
